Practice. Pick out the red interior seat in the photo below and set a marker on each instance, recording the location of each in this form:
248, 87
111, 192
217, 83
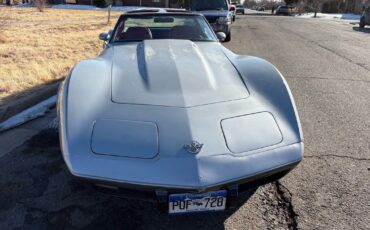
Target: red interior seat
137, 33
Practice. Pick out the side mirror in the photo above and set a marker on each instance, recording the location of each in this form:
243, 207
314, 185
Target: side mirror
221, 36
104, 36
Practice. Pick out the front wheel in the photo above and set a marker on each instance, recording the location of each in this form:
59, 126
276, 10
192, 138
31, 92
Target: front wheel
362, 23
228, 37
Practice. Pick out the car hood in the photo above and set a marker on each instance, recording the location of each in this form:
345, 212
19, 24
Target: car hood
176, 73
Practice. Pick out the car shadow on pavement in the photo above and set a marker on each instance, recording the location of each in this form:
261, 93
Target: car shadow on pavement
359, 29
37, 192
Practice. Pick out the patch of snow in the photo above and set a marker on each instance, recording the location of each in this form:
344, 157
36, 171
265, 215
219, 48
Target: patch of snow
34, 112
349, 17
24, 5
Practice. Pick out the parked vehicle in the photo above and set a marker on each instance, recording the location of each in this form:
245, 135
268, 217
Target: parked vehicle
282, 10
240, 9
365, 17
218, 14
260, 8
168, 113
232, 9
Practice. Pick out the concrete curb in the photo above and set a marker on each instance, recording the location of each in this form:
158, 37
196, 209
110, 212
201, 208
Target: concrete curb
28, 100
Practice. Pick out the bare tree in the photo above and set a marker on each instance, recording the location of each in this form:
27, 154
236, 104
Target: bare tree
40, 4
312, 5
290, 2
266, 3
301, 6
316, 6
250, 3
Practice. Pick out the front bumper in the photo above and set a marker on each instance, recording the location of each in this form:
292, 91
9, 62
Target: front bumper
233, 189
149, 193
156, 179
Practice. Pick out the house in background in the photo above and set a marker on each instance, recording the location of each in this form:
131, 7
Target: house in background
150, 3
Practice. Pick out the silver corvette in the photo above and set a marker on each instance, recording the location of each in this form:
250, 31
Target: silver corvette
167, 112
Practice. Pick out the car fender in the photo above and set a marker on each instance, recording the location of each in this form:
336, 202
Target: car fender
264, 81
86, 86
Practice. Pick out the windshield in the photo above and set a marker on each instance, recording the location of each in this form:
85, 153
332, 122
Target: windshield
163, 26
199, 5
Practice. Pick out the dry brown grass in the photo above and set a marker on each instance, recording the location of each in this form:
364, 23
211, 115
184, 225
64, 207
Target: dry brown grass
37, 48
2, 38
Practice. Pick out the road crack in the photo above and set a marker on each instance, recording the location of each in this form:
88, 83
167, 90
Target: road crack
278, 211
328, 78
284, 195
339, 156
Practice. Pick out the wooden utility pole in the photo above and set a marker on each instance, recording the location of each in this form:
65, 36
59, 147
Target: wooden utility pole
109, 9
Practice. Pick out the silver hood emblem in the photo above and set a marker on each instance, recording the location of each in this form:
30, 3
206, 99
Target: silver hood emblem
194, 147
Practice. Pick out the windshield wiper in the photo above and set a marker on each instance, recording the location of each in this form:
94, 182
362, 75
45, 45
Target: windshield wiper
202, 40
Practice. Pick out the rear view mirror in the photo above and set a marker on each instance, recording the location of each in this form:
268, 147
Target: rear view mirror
104, 36
164, 20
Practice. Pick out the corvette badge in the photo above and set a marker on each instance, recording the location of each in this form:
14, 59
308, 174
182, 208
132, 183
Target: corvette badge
194, 147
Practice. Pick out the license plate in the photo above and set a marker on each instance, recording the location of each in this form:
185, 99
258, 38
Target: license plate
186, 203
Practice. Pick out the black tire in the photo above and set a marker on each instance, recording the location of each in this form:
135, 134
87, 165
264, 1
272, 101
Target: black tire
362, 23
228, 37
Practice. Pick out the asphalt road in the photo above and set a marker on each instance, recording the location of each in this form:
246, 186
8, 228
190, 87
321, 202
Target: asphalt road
326, 64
